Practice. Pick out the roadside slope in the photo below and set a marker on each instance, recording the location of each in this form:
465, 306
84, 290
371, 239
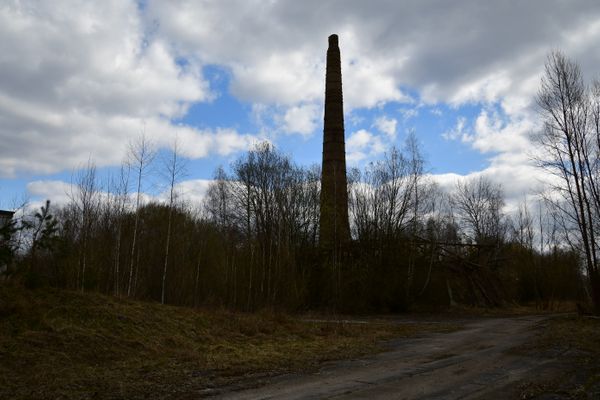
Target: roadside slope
61, 344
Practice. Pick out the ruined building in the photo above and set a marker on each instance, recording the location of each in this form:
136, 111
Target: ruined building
334, 229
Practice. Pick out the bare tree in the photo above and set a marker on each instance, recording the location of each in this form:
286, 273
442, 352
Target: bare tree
416, 163
382, 197
121, 200
218, 199
478, 204
523, 232
570, 142
141, 155
175, 169
86, 199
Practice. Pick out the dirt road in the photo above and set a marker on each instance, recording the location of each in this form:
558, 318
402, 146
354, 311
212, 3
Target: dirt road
473, 363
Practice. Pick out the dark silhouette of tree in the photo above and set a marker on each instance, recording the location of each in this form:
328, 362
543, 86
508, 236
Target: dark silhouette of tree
478, 206
175, 169
141, 156
41, 228
7, 245
571, 146
85, 197
270, 233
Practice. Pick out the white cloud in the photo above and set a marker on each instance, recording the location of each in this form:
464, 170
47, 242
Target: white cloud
58, 192
193, 190
409, 113
518, 178
277, 55
507, 139
459, 132
276, 49
197, 143
190, 192
447, 182
436, 111
493, 133
362, 144
80, 79
302, 119
387, 126
488, 88
276, 80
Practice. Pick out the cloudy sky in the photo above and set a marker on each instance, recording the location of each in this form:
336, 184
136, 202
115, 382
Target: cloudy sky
80, 79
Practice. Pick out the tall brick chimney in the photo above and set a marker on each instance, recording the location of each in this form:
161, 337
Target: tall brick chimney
334, 228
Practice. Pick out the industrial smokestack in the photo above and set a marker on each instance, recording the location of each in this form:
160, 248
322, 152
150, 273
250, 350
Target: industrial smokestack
334, 228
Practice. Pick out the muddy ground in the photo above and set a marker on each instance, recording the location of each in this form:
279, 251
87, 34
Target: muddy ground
490, 358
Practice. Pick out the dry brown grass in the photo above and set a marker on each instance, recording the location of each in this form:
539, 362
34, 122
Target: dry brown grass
60, 344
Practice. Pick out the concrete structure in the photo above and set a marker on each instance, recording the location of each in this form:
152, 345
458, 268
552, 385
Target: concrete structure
334, 228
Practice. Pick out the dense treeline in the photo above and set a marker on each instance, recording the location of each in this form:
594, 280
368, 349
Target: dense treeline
254, 241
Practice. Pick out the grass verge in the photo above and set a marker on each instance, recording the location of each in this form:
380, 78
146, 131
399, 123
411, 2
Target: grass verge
60, 344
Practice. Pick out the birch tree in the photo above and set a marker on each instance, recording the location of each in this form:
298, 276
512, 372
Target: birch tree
141, 156
175, 169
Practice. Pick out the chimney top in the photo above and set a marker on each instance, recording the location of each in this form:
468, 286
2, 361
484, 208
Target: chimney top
333, 40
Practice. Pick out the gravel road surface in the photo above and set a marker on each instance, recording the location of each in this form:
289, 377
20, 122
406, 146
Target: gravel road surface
473, 363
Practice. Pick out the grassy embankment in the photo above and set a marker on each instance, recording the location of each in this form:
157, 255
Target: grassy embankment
60, 344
